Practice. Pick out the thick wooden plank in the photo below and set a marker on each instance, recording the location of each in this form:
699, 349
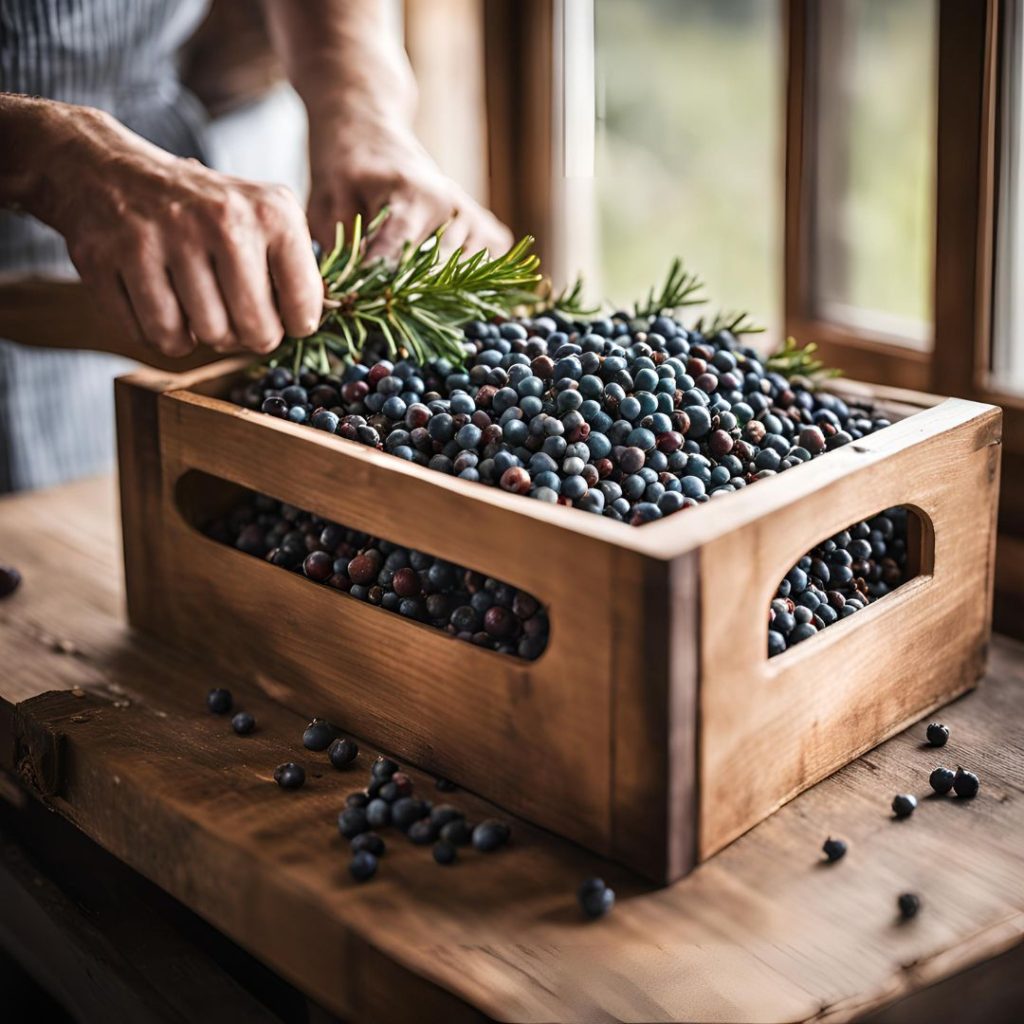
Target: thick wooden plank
759, 933
104, 960
63, 314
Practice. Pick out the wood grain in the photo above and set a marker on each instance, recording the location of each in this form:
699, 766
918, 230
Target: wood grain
762, 932
51, 313
104, 960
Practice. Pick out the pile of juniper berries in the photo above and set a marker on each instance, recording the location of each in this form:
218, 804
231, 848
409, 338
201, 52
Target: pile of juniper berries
631, 418
838, 577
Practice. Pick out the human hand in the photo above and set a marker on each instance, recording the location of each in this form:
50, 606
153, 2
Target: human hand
176, 252
360, 167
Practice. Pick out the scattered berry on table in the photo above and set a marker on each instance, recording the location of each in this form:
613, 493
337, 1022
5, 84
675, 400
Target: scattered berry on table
10, 579
909, 904
342, 752
834, 849
378, 813
318, 735
442, 814
903, 805
490, 834
942, 779
289, 775
363, 866
402, 783
422, 832
595, 898
966, 784
368, 841
357, 799
383, 768
219, 701
406, 811
352, 821
243, 723
458, 832
937, 734
445, 852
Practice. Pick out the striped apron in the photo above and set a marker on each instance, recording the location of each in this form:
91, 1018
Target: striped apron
56, 407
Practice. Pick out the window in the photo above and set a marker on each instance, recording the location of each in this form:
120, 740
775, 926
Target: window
874, 154
671, 144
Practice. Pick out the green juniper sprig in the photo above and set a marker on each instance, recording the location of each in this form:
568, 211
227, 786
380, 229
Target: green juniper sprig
570, 303
417, 306
735, 323
681, 288
794, 360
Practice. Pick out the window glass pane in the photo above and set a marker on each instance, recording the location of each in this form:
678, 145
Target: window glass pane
874, 166
1008, 325
687, 155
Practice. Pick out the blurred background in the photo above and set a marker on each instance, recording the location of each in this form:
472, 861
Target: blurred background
847, 171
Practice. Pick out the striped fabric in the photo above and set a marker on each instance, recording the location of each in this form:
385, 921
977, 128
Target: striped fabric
56, 407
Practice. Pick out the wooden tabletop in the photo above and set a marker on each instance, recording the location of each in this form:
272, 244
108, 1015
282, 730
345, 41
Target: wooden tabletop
112, 731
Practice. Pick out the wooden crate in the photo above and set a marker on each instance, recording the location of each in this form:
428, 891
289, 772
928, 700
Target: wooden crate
654, 728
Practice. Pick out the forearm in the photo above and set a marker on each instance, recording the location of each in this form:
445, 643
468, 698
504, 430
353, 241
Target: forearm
32, 131
341, 59
45, 142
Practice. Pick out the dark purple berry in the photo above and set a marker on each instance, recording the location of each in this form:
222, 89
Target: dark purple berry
966, 784
352, 821
342, 752
219, 701
458, 832
909, 904
289, 775
10, 579
406, 811
442, 814
243, 723
357, 799
942, 779
368, 841
422, 832
595, 898
937, 734
835, 849
318, 566
903, 805
490, 834
363, 866
319, 734
383, 768
445, 853
378, 813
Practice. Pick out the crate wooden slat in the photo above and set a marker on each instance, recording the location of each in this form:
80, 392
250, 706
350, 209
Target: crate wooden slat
653, 729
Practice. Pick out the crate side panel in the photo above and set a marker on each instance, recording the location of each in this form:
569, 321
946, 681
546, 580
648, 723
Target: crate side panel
771, 728
534, 736
654, 717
